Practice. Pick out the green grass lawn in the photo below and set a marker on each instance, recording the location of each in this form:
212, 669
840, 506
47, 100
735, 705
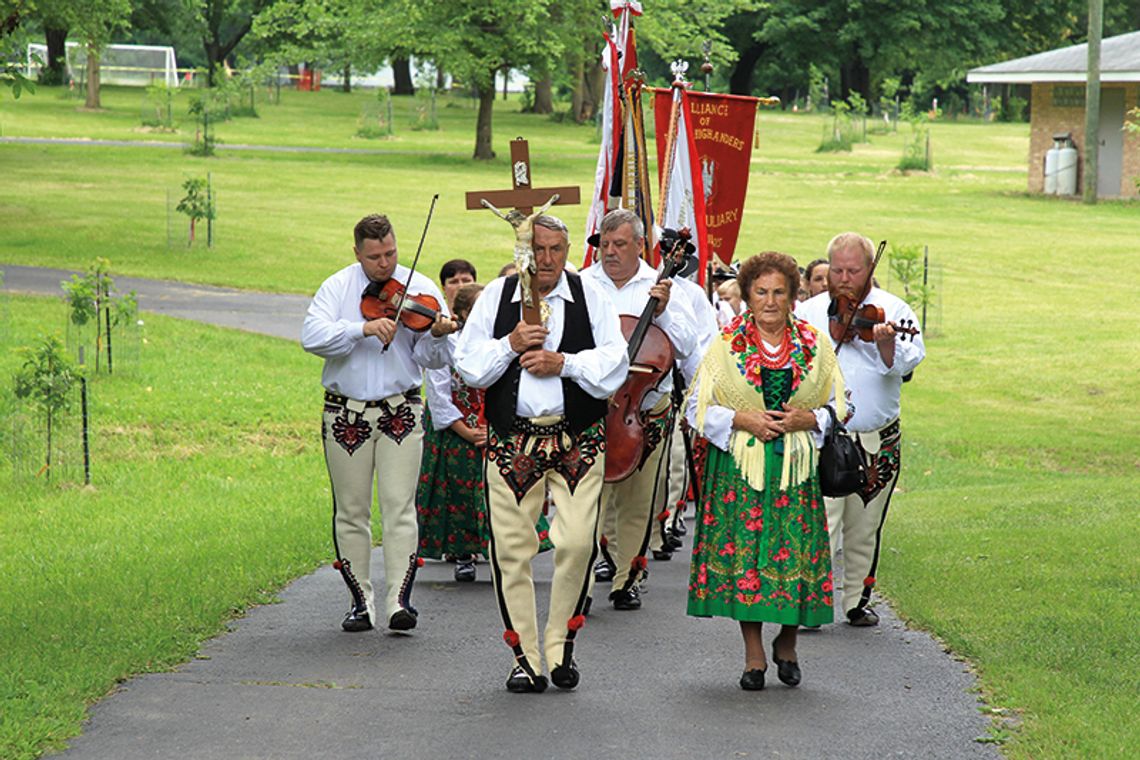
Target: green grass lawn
1009, 540
209, 493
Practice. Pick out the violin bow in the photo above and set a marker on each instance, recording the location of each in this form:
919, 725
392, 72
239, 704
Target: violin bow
866, 290
415, 262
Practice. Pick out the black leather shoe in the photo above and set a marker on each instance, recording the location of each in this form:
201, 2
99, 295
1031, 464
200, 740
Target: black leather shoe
603, 571
661, 556
565, 677
753, 680
672, 541
519, 682
356, 620
402, 620
630, 599
786, 670
862, 618
465, 571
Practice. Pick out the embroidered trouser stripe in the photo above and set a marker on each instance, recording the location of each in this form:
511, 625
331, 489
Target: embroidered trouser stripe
394, 467
574, 533
860, 527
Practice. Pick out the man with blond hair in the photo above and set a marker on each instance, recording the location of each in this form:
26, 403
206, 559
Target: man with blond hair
874, 372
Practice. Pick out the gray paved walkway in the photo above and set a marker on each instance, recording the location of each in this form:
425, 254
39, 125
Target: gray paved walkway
286, 682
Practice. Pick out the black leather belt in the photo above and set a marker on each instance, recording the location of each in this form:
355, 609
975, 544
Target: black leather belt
412, 395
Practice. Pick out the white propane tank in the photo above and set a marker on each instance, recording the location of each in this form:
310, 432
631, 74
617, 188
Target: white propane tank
1067, 170
1052, 158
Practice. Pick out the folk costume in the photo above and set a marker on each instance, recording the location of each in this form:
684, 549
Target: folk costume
761, 549
544, 432
670, 524
875, 391
450, 501
372, 432
635, 501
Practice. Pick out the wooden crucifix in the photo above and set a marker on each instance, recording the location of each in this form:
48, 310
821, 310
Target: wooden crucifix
523, 196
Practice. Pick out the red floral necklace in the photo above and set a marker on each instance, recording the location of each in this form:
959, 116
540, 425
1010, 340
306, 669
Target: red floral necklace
779, 358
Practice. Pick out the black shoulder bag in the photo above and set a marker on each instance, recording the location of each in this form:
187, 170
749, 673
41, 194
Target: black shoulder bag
841, 470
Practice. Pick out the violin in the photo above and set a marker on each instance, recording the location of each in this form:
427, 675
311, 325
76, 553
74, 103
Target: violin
847, 320
389, 300
651, 359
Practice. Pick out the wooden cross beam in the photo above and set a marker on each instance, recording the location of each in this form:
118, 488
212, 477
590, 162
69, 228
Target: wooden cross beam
522, 195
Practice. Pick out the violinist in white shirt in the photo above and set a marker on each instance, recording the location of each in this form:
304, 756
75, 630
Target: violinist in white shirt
372, 426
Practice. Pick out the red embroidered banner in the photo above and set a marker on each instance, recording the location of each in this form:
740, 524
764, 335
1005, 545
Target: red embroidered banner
722, 133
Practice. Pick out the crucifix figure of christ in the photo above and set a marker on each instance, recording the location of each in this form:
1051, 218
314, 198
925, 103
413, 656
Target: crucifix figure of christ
524, 197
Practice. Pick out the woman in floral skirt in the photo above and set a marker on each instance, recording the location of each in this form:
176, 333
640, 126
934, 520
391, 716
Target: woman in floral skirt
449, 496
761, 553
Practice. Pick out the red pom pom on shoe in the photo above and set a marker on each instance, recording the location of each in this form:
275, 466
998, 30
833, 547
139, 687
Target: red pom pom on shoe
576, 622
511, 638
639, 563
869, 580
663, 516
419, 561
337, 565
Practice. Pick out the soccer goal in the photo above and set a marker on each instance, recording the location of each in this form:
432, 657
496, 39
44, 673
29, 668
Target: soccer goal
130, 65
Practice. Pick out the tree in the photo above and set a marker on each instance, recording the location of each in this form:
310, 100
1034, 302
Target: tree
222, 25
474, 39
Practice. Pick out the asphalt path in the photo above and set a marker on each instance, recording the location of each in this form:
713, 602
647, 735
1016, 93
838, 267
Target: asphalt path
286, 682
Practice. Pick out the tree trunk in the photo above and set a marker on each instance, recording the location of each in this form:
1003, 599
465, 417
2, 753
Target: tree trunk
55, 67
544, 94
93, 77
854, 76
346, 86
483, 151
506, 80
594, 95
740, 81
213, 58
440, 79
578, 94
402, 73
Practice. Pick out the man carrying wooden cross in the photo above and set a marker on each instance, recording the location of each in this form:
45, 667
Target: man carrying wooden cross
547, 378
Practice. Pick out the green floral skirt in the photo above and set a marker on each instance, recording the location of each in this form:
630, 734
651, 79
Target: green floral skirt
760, 556
450, 503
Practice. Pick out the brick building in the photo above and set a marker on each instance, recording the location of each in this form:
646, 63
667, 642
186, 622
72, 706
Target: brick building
1057, 106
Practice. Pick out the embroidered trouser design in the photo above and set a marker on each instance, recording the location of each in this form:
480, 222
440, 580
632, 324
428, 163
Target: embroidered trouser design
394, 467
858, 519
635, 502
574, 532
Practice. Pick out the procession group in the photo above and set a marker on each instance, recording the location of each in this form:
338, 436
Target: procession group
509, 456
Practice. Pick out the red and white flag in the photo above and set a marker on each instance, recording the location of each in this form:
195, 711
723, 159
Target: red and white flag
682, 197
618, 59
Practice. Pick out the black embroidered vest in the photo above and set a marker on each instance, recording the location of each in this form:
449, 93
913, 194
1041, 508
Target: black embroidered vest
580, 408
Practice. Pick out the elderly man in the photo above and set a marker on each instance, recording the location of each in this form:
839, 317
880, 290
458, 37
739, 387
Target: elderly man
874, 373
547, 386
372, 415
629, 282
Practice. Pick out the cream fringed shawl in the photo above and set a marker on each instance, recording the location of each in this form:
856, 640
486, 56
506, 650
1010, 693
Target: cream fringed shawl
721, 381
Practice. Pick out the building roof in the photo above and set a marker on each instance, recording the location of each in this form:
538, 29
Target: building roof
1119, 62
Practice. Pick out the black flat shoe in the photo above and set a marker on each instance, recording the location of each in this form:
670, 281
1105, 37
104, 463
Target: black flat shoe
786, 670
630, 599
519, 682
753, 680
862, 618
465, 572
356, 621
402, 620
603, 571
565, 677
662, 556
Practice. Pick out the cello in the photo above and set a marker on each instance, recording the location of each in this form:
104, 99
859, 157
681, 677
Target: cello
651, 359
